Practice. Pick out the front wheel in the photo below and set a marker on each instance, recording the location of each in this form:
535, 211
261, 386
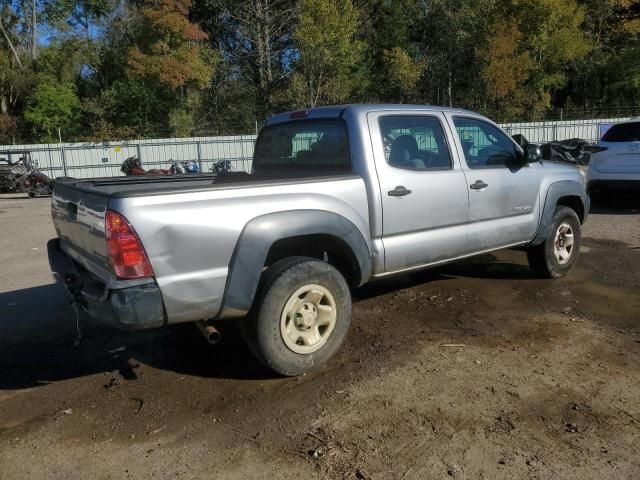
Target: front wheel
556, 255
301, 316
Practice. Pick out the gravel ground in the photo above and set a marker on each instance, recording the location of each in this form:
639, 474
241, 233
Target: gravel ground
473, 370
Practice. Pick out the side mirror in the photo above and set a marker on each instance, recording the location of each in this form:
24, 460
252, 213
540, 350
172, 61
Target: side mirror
520, 140
532, 153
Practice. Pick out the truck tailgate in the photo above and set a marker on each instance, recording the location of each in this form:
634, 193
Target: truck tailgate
78, 217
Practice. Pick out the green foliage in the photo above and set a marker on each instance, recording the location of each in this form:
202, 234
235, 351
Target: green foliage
328, 51
154, 68
401, 73
52, 105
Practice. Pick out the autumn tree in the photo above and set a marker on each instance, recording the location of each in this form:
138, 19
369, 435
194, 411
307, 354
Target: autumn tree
506, 71
169, 49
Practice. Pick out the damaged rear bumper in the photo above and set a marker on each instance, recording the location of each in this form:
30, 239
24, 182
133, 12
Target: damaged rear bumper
132, 308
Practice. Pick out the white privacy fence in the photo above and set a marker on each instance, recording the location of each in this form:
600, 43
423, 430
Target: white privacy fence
541, 132
85, 160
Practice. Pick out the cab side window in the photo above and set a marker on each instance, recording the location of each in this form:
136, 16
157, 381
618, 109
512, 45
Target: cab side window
415, 142
484, 146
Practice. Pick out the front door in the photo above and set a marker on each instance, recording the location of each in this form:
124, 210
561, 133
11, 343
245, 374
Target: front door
504, 203
424, 191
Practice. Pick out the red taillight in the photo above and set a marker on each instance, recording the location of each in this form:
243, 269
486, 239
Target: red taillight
127, 256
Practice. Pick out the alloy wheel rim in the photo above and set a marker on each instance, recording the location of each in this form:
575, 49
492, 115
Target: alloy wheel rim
308, 319
563, 243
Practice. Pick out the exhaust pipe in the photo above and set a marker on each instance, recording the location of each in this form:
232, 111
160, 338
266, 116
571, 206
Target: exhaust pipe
210, 333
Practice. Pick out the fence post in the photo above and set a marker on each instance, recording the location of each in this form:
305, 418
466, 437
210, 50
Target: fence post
62, 155
139, 152
199, 151
244, 165
555, 132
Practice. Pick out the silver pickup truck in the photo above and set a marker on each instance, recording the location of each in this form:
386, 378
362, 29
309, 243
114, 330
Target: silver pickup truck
338, 196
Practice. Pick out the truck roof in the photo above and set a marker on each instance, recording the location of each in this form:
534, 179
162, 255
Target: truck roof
336, 111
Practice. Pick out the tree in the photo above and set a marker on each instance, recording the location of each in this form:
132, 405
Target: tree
328, 51
554, 41
506, 70
448, 36
52, 105
605, 78
169, 49
254, 37
401, 73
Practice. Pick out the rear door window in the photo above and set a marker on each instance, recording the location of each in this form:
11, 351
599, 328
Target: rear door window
303, 145
414, 142
623, 132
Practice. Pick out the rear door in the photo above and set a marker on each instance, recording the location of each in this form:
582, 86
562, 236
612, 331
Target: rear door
424, 191
504, 205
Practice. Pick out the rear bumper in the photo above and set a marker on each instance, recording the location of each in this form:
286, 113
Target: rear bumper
132, 308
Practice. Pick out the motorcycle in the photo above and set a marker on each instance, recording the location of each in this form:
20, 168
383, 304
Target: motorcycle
36, 183
221, 166
21, 176
132, 166
185, 166
12, 173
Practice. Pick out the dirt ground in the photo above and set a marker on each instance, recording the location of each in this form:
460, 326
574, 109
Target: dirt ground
474, 370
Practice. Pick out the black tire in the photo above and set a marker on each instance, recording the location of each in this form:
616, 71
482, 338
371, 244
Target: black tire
262, 327
542, 258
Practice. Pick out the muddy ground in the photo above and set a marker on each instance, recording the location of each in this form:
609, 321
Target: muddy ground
474, 370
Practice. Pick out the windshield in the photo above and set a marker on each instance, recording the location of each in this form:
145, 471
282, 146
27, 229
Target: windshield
318, 145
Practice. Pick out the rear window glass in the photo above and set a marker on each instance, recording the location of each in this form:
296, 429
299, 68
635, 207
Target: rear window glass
623, 132
414, 142
305, 144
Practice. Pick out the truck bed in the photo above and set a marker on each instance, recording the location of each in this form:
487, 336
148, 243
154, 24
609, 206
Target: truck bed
134, 186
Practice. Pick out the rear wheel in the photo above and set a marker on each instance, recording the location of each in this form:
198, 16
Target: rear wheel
556, 255
301, 316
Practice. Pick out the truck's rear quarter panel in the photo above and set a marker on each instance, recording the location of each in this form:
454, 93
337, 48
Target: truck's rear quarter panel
190, 237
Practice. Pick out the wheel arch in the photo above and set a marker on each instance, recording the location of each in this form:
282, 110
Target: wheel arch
574, 202
314, 233
568, 193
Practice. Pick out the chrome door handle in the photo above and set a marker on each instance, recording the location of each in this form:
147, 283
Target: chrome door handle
479, 185
399, 191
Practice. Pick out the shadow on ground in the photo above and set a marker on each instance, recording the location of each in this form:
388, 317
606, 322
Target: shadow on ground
38, 334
